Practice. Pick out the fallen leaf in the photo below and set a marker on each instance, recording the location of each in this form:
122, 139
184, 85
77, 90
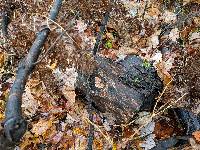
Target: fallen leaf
79, 131
163, 129
41, 127
80, 26
196, 135
29, 104
2, 57
153, 11
174, 34
194, 144
154, 41
169, 17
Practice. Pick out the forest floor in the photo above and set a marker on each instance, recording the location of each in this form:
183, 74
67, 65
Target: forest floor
166, 33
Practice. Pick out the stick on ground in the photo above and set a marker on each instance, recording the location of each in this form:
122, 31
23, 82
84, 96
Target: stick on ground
14, 124
92, 79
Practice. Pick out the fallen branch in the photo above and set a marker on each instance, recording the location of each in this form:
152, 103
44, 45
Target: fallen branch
6, 15
102, 30
14, 124
92, 79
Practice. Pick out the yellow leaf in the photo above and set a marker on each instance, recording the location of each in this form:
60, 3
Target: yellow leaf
2, 57
79, 131
53, 66
114, 146
2, 116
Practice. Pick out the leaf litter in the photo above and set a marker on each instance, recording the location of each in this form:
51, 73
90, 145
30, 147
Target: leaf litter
57, 119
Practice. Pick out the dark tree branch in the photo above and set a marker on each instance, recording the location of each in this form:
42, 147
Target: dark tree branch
91, 127
15, 124
92, 79
6, 16
5, 23
101, 32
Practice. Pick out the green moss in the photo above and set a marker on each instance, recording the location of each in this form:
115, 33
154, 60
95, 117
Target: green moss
136, 80
146, 64
108, 44
2, 42
198, 30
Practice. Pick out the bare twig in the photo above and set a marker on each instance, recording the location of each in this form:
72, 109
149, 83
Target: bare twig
57, 39
97, 127
100, 34
159, 112
6, 17
145, 8
65, 31
50, 48
159, 98
91, 128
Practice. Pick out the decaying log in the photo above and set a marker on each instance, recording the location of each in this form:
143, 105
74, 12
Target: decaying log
127, 86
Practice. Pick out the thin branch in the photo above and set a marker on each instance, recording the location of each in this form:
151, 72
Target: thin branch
107, 137
159, 98
91, 79
6, 15
5, 23
64, 31
91, 128
50, 48
15, 124
100, 34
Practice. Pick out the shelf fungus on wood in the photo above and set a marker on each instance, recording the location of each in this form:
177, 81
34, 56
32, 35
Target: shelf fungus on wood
121, 88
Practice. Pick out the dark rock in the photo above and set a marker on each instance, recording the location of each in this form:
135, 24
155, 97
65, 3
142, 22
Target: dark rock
171, 142
129, 85
190, 122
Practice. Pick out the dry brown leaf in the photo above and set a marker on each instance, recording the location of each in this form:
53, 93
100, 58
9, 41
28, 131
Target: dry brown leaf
98, 83
29, 138
163, 74
53, 65
98, 145
2, 116
29, 104
189, 1
154, 40
196, 135
194, 144
174, 34
153, 11
194, 40
127, 51
163, 129
2, 57
169, 17
41, 127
